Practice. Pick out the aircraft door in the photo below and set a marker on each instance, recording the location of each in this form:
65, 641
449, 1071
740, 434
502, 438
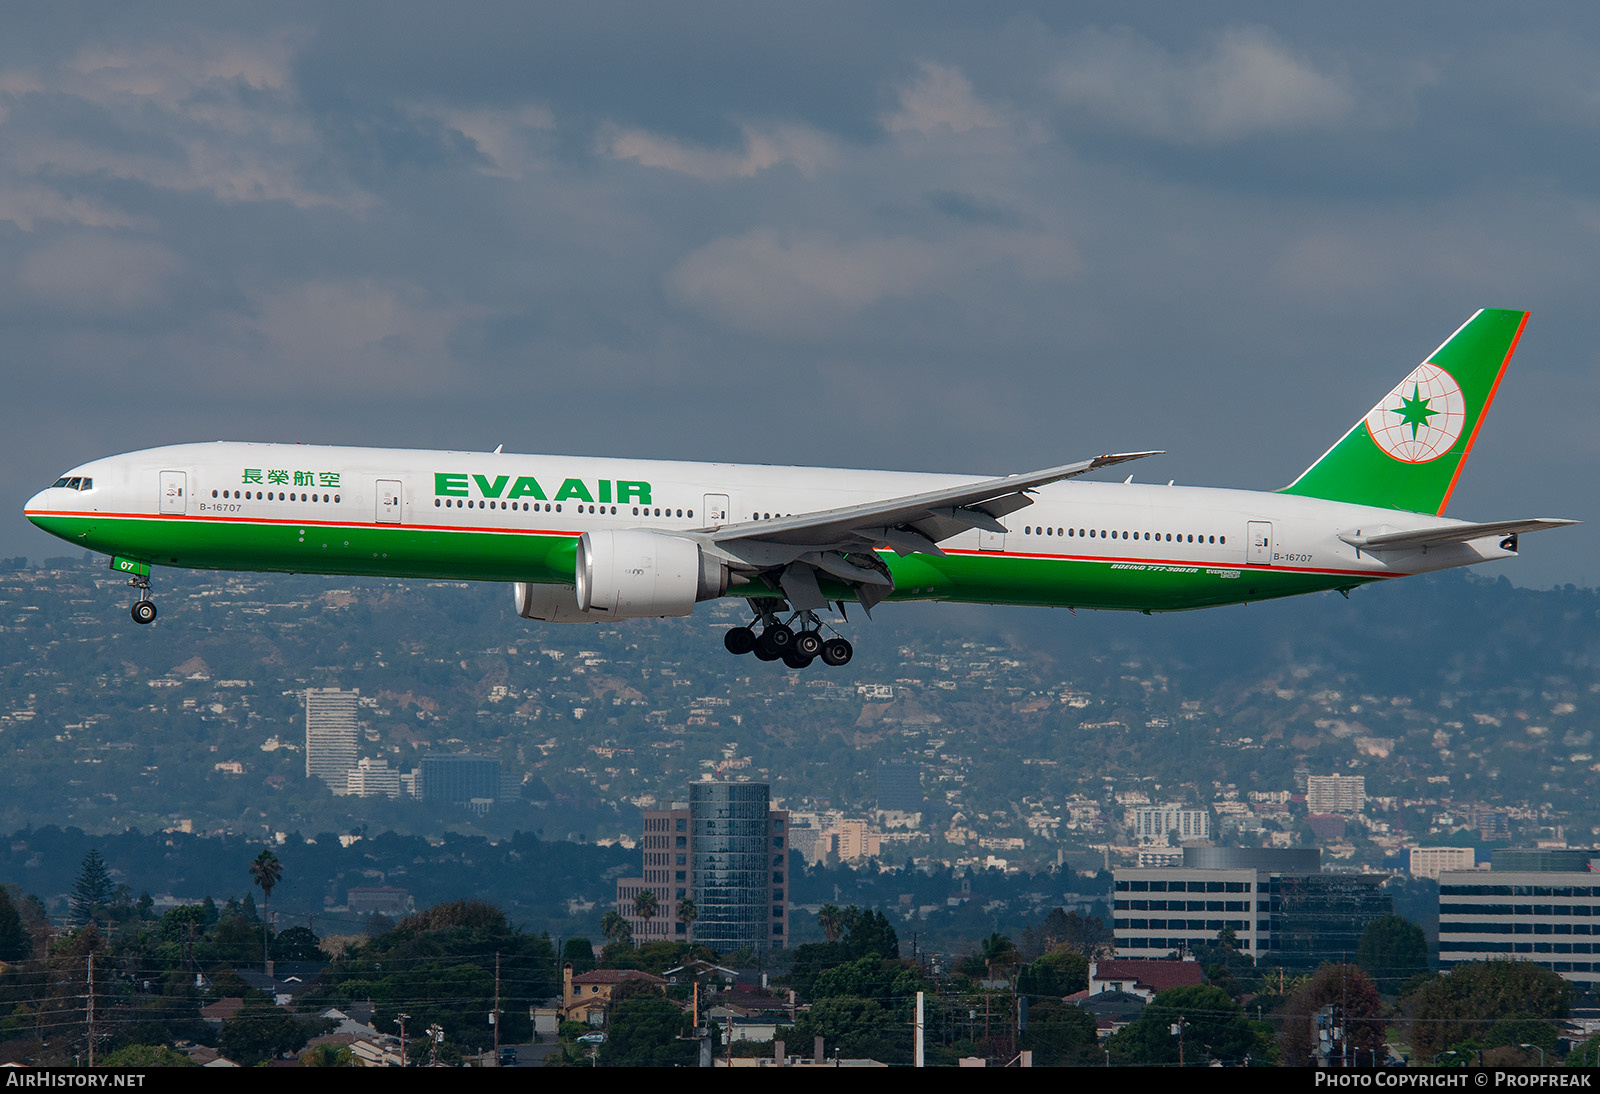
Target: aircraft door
174, 488
991, 541
717, 510
1259, 551
391, 501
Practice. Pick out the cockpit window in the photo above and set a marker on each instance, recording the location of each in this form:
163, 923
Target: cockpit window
61, 482
76, 482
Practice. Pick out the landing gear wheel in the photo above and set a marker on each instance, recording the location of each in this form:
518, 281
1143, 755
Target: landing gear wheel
836, 652
808, 643
144, 611
776, 639
764, 654
797, 660
740, 640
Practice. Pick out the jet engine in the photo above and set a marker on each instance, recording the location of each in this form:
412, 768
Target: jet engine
551, 604
632, 573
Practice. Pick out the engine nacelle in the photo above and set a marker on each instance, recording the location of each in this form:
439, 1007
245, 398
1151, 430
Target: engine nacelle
635, 574
551, 604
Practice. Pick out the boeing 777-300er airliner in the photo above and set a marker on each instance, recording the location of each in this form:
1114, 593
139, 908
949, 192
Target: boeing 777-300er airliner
588, 539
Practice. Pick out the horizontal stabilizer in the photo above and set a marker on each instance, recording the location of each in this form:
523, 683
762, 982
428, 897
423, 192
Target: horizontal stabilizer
1449, 533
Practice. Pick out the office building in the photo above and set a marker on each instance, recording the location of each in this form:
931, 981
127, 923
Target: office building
728, 852
899, 787
332, 734
1336, 793
1151, 824
1430, 862
463, 778
372, 779
1277, 903
1538, 906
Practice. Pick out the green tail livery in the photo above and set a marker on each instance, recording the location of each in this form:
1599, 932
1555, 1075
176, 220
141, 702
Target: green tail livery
1408, 451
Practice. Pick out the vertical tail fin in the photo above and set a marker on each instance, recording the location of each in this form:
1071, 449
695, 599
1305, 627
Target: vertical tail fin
1409, 449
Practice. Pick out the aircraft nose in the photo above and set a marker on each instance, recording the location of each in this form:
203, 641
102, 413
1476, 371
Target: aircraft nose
36, 505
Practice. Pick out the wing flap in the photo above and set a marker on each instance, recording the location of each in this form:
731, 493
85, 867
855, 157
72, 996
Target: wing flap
791, 552
969, 505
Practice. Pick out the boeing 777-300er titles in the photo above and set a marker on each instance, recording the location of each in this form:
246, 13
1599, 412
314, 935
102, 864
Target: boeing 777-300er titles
589, 539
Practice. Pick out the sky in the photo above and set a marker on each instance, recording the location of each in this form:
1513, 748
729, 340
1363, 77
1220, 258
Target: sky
980, 238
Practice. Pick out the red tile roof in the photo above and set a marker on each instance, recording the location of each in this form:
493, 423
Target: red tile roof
1154, 975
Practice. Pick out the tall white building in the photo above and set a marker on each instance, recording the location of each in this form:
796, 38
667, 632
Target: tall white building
373, 778
1336, 793
1151, 824
1430, 862
332, 733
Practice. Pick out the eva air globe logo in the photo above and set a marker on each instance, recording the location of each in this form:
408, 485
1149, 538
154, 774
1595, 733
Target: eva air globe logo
1421, 418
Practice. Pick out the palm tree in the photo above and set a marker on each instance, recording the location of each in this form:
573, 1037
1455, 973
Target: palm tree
615, 927
645, 907
999, 952
266, 870
688, 912
831, 919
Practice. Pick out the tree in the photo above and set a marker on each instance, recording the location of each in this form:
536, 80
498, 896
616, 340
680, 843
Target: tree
146, 1056
261, 1031
1085, 934
645, 907
645, 1031
831, 919
328, 1054
1060, 1035
299, 944
1392, 950
93, 890
615, 927
1054, 975
856, 1028
999, 955
579, 953
1467, 1002
1356, 1010
1213, 1026
14, 941
869, 933
266, 870
688, 912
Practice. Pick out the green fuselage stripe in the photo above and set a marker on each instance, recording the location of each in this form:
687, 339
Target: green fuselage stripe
548, 556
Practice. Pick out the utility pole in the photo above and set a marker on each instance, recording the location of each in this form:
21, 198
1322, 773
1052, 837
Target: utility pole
494, 1015
916, 1058
400, 1020
89, 1018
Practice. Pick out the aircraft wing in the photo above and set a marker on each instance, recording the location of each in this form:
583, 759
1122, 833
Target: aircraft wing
791, 552
1450, 533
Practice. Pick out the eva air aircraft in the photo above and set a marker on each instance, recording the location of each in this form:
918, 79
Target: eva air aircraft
587, 539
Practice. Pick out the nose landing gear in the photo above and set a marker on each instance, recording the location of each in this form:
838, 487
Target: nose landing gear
779, 641
144, 609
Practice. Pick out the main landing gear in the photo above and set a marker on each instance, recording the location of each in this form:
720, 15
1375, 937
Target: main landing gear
144, 609
779, 641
